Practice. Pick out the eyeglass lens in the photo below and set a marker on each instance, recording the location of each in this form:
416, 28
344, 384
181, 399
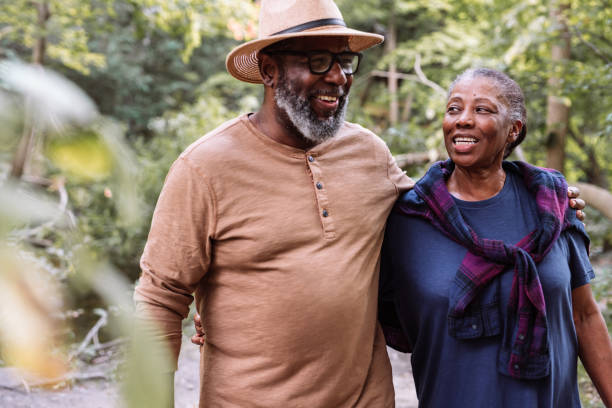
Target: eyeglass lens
321, 62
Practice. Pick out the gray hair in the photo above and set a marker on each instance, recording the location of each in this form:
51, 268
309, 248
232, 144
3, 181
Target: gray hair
509, 90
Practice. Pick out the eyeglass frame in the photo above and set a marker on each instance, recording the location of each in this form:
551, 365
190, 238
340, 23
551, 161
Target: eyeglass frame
335, 58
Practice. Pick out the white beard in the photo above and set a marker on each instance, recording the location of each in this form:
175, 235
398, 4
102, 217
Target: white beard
302, 116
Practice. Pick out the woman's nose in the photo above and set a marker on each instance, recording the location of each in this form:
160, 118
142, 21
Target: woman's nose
466, 118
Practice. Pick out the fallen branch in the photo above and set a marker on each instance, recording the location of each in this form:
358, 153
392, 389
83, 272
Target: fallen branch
68, 378
92, 335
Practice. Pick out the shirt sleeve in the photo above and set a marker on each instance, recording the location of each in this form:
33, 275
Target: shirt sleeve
397, 176
579, 263
177, 253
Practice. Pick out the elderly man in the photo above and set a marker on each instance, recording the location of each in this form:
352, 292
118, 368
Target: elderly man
275, 220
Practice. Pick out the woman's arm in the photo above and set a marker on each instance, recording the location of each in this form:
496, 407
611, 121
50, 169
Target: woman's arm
594, 345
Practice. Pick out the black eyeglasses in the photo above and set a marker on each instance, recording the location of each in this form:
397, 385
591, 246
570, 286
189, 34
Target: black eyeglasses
320, 62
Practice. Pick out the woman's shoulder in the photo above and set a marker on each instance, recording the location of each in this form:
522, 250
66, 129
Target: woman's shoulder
534, 175
407, 219
409, 197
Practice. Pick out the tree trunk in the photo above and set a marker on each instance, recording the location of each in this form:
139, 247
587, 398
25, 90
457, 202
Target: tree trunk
26, 144
557, 114
38, 54
392, 80
407, 110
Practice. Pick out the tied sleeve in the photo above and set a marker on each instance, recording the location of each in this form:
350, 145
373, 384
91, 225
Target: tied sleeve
177, 253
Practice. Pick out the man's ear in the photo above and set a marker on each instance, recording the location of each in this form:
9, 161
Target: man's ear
268, 69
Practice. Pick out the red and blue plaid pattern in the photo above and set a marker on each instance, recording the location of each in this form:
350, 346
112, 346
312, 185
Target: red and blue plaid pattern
527, 354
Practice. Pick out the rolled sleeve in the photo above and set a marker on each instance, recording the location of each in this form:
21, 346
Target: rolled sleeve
579, 263
397, 176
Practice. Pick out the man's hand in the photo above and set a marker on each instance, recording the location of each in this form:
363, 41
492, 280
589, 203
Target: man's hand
575, 202
200, 338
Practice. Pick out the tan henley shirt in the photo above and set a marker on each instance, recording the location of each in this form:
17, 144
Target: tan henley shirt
281, 247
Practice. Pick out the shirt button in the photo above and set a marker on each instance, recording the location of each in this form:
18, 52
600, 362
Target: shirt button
521, 337
310, 158
325, 213
474, 327
319, 185
516, 366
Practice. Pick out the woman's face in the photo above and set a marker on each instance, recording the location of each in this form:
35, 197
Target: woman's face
477, 126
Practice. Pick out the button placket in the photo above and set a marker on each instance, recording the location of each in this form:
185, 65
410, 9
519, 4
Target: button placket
325, 213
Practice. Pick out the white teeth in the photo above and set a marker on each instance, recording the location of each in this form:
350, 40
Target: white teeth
464, 140
327, 98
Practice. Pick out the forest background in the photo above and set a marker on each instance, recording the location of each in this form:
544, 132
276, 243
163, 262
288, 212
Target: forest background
84, 151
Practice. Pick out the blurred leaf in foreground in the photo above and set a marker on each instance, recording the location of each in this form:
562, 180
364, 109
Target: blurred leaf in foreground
84, 156
22, 206
84, 147
30, 304
53, 100
141, 385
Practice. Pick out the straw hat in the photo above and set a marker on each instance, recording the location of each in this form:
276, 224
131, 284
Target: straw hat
282, 19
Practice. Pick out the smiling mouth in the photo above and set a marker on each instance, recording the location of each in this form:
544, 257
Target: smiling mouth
327, 98
464, 140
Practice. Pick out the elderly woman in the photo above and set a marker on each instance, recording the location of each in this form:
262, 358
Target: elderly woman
485, 271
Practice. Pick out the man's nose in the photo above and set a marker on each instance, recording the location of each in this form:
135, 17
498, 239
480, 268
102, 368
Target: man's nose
335, 74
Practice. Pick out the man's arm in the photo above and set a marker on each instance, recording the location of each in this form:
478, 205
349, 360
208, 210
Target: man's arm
177, 253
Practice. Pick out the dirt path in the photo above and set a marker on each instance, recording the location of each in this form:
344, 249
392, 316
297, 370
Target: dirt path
100, 393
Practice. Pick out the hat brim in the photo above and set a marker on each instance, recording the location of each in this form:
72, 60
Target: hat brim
242, 62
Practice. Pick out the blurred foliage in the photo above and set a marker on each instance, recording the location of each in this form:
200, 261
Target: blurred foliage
46, 262
68, 38
150, 79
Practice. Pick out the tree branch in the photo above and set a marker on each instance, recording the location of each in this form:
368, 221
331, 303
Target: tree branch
593, 170
419, 77
592, 46
409, 159
424, 79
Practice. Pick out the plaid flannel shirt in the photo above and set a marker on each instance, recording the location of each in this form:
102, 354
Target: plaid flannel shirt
524, 352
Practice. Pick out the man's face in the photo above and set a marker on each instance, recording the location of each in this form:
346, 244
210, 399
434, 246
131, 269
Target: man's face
314, 104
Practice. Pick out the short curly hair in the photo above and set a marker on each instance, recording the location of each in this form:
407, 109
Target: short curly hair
509, 90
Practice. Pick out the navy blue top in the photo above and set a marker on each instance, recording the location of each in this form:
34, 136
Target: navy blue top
419, 263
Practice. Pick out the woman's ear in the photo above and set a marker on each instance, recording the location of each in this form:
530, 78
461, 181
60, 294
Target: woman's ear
268, 70
515, 131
